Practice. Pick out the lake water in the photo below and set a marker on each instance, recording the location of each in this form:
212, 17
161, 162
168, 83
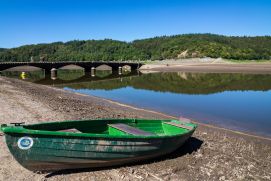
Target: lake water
236, 101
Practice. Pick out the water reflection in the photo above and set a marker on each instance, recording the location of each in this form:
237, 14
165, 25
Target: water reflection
103, 73
31, 76
181, 82
66, 76
236, 101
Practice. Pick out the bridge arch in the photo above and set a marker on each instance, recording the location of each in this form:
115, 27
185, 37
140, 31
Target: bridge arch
71, 67
104, 67
23, 68
126, 68
103, 71
70, 72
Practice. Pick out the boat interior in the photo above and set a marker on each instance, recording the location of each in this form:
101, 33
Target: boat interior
136, 127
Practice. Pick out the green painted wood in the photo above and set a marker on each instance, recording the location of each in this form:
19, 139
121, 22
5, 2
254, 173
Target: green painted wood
130, 129
180, 125
96, 145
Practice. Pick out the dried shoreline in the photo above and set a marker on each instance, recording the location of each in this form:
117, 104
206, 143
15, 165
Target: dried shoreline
211, 154
210, 66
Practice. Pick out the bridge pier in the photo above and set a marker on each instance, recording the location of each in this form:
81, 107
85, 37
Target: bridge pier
120, 70
93, 70
53, 73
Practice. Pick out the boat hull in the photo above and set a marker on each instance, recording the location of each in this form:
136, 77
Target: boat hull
52, 153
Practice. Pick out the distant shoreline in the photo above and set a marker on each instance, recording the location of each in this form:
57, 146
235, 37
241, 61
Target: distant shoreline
207, 66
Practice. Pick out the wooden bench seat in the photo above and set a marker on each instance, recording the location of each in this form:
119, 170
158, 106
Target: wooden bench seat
180, 125
72, 130
130, 130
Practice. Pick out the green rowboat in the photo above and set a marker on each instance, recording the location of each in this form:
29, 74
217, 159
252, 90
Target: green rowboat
93, 143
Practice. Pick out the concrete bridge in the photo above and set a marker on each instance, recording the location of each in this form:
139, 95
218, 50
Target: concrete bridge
88, 66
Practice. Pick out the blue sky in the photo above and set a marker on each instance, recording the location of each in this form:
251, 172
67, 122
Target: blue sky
44, 21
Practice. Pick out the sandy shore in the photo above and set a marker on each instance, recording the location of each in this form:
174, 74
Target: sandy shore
207, 66
211, 154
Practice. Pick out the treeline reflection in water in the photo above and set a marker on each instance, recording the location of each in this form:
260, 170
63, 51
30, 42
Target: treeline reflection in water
177, 82
181, 82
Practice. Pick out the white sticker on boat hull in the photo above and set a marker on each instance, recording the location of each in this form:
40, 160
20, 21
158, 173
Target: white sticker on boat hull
25, 143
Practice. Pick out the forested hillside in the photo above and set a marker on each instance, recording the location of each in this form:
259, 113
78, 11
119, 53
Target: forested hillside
158, 48
2, 49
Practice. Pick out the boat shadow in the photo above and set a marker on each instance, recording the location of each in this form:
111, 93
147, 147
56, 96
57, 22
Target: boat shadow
190, 146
